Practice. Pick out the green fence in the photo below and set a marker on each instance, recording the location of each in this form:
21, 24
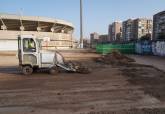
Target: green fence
123, 48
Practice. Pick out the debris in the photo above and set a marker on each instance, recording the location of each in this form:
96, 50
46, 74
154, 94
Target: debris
80, 68
115, 58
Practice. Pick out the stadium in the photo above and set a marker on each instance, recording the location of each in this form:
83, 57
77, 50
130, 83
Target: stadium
59, 32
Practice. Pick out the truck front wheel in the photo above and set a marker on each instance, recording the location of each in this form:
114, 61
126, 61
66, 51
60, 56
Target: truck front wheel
27, 70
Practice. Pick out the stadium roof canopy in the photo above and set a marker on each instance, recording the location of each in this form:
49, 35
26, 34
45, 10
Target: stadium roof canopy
34, 23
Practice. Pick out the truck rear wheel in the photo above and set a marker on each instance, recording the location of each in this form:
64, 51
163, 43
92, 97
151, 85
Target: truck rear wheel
27, 70
54, 70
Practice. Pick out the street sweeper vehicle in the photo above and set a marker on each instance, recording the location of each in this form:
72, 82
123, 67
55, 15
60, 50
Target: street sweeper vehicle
32, 57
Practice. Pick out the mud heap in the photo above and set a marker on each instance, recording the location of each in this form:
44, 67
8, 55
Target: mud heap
115, 58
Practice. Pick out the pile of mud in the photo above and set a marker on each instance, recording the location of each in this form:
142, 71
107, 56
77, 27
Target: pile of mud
115, 58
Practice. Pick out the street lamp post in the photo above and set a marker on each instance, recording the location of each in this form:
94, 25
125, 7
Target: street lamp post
81, 24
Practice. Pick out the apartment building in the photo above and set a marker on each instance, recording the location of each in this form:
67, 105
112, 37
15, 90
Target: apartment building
134, 29
94, 39
103, 38
142, 28
159, 25
127, 30
115, 31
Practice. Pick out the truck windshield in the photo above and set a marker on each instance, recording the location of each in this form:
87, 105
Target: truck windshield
29, 45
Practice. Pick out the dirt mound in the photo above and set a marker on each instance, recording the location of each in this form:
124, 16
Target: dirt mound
115, 58
134, 111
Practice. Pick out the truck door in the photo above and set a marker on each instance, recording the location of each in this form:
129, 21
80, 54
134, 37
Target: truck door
30, 52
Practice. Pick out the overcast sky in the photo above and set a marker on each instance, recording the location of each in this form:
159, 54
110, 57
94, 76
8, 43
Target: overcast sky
98, 14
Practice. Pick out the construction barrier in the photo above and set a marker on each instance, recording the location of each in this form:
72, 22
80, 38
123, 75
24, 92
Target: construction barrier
158, 48
146, 47
128, 48
143, 47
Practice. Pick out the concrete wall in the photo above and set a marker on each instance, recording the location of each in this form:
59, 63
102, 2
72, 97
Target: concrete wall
158, 48
58, 40
8, 45
155, 48
143, 47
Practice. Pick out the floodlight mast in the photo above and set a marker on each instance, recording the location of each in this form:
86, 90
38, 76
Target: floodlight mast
81, 24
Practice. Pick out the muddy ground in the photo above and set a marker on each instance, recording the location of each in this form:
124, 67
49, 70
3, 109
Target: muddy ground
108, 89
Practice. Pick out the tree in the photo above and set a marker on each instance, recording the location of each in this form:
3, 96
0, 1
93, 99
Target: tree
146, 37
161, 35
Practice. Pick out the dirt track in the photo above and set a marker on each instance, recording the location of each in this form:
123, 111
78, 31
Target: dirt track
156, 61
107, 90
